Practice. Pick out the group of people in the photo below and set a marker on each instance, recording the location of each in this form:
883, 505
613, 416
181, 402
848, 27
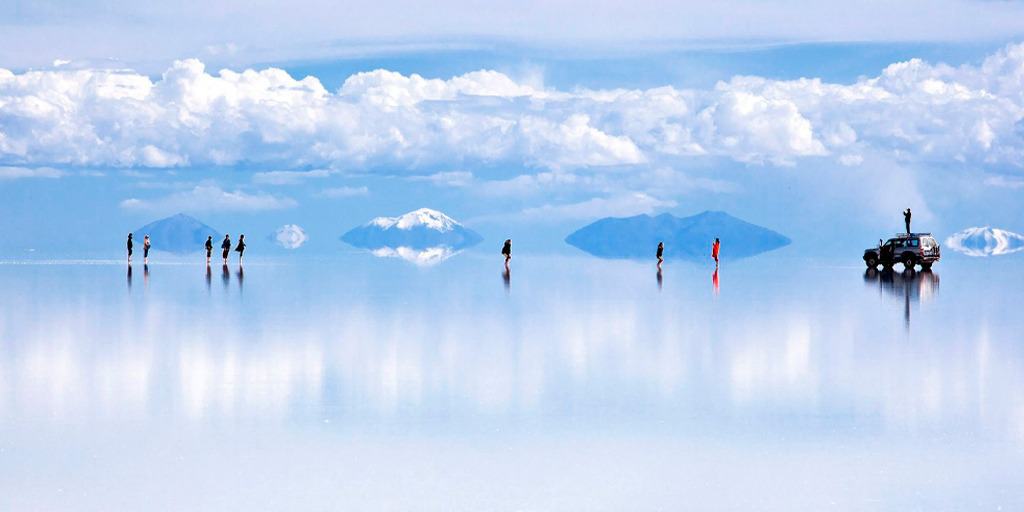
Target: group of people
660, 254
225, 246
145, 249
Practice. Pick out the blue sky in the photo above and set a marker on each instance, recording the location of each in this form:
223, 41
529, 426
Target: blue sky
323, 122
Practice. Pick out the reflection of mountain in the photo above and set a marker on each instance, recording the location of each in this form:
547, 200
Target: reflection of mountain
424, 236
423, 257
687, 238
986, 241
909, 286
179, 233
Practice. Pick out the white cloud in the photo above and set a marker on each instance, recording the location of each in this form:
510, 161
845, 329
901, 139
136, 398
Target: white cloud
1001, 181
14, 173
208, 198
455, 179
290, 236
288, 177
341, 192
986, 241
911, 112
622, 205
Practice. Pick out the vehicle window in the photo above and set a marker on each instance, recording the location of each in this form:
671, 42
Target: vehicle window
927, 242
914, 243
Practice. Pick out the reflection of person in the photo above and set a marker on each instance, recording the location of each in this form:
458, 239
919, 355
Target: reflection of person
714, 250
225, 275
714, 280
506, 250
225, 248
209, 274
130, 248
240, 248
209, 249
906, 219
659, 278
661, 252
506, 276
145, 250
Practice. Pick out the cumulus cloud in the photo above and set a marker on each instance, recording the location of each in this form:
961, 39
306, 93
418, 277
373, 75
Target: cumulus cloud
341, 192
208, 198
986, 241
911, 111
14, 173
290, 236
623, 205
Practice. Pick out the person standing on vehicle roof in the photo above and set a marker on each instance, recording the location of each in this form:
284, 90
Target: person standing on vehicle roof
906, 219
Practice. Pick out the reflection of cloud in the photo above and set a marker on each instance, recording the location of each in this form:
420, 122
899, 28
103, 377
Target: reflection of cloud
210, 198
422, 257
290, 236
985, 241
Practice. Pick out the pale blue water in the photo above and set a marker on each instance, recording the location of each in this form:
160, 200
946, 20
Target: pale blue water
357, 383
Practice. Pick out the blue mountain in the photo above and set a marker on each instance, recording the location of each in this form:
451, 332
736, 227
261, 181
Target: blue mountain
177, 234
420, 229
684, 238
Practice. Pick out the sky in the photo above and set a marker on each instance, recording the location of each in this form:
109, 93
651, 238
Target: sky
821, 121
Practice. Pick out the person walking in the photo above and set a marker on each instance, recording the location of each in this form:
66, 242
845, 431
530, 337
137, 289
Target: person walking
506, 250
240, 249
130, 245
714, 251
661, 252
145, 250
225, 247
209, 249
906, 219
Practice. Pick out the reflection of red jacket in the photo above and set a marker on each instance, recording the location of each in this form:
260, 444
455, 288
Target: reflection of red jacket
714, 250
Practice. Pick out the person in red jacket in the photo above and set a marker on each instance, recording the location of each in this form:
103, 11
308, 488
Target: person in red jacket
714, 250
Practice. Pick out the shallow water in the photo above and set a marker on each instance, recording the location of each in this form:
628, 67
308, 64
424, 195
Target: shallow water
575, 384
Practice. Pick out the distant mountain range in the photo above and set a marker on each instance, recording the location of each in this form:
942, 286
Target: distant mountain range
422, 231
985, 241
177, 234
684, 238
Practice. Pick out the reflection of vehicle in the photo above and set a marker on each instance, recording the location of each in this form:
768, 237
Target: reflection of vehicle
909, 249
910, 286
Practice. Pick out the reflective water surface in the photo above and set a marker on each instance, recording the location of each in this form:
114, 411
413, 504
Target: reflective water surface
564, 384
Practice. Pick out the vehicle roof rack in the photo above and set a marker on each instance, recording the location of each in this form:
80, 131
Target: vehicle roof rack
907, 235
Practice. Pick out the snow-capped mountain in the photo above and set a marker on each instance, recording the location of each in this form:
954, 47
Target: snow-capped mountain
417, 230
985, 241
431, 219
685, 238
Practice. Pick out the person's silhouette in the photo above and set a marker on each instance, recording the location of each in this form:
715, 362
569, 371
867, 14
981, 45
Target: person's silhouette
209, 249
714, 251
240, 248
145, 250
660, 253
906, 219
506, 250
130, 245
225, 247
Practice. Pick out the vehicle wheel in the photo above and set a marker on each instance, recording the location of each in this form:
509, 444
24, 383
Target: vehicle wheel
871, 262
926, 266
908, 261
